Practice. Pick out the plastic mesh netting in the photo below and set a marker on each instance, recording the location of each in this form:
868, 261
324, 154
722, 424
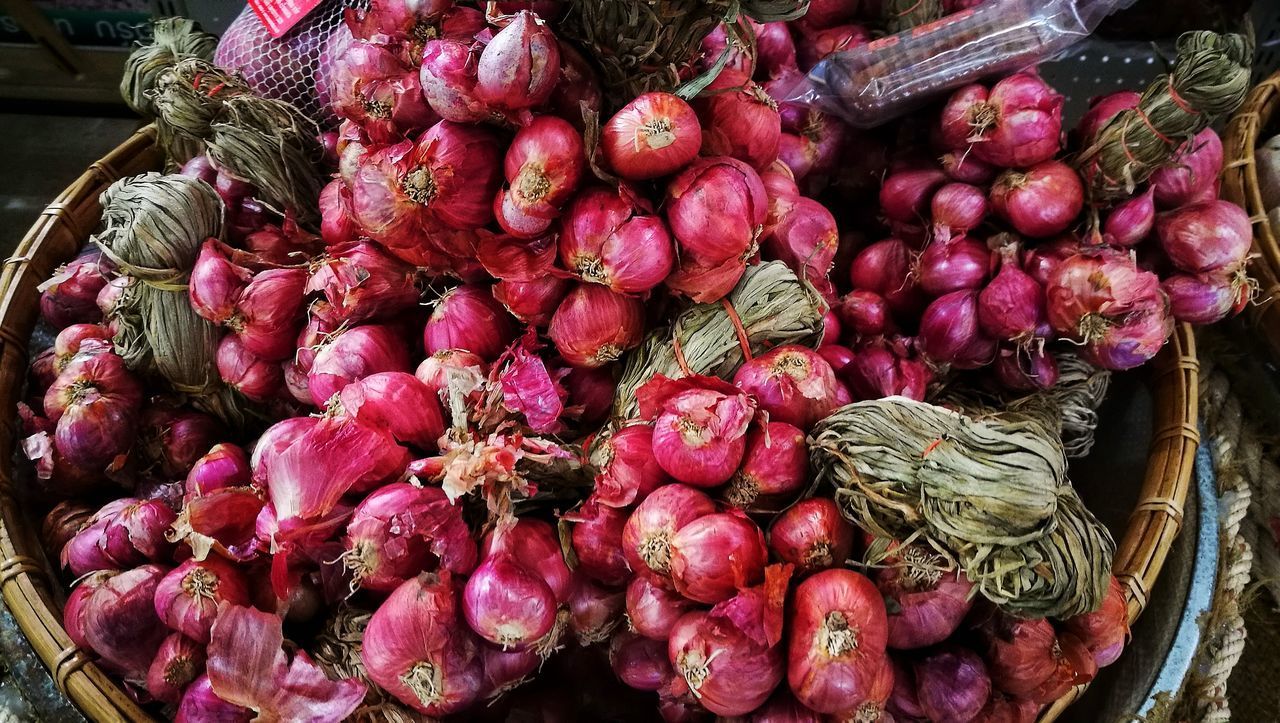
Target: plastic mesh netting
290, 67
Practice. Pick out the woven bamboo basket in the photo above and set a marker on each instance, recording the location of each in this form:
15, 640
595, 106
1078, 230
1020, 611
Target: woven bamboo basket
31, 586
1240, 185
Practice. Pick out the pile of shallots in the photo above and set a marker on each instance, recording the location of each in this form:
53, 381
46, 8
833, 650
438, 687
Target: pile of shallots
459, 316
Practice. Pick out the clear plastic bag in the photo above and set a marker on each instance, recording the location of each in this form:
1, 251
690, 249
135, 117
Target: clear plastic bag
874, 83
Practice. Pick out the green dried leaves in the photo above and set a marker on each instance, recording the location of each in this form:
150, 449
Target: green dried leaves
989, 491
173, 39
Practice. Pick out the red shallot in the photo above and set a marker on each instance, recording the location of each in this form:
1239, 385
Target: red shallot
1040, 202
774, 468
646, 538
594, 326
1205, 236
812, 535
700, 424
654, 135
837, 640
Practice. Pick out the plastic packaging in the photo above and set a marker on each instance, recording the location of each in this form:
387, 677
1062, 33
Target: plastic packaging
877, 82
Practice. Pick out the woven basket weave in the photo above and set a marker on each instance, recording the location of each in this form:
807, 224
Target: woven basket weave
31, 587
1240, 186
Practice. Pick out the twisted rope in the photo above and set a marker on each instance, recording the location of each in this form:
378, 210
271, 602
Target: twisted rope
1241, 465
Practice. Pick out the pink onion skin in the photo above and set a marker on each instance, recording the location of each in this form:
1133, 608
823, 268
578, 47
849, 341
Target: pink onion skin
200, 705
741, 122
716, 555
68, 342
640, 662
398, 402
702, 435
597, 542
119, 622
653, 610
448, 80
954, 264
923, 611
905, 195
734, 675
833, 673
188, 597
362, 282
774, 468
464, 367
1131, 222
520, 66
336, 224
123, 533
950, 334
717, 187
1193, 173
669, 129
794, 384
1027, 127
225, 465
1085, 293
1203, 298
356, 353
1042, 201
646, 538
469, 318
952, 685
507, 604
419, 625
627, 468
593, 326
812, 535
1205, 236
1101, 110
177, 663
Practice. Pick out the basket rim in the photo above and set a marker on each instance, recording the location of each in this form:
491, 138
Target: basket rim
1240, 185
26, 584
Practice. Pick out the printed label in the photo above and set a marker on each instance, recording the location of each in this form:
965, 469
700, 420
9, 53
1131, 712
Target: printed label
280, 15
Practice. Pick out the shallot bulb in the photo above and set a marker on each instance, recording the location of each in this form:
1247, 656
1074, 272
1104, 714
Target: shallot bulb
1086, 294
950, 334
533, 303
450, 369
416, 648
469, 318
124, 533
216, 282
597, 542
173, 439
178, 662
887, 268
726, 670
815, 45
1040, 202
594, 611
881, 370
1192, 175
929, 601
256, 378
372, 87
579, 84
812, 535
94, 404
805, 238
362, 282
355, 354
1205, 236
837, 640
605, 241
627, 468
594, 326
952, 685
508, 605
1131, 222
543, 166
269, 313
1016, 125
700, 424
1105, 630
741, 121
653, 610
118, 621
1026, 369
535, 545
1101, 110
774, 468
794, 384
1028, 659
964, 168
188, 597
397, 402
906, 195
520, 66
721, 188
955, 263
1209, 297
640, 662
646, 538
448, 80
400, 530
225, 465
654, 135
1012, 306
68, 342
865, 313
716, 555
70, 296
